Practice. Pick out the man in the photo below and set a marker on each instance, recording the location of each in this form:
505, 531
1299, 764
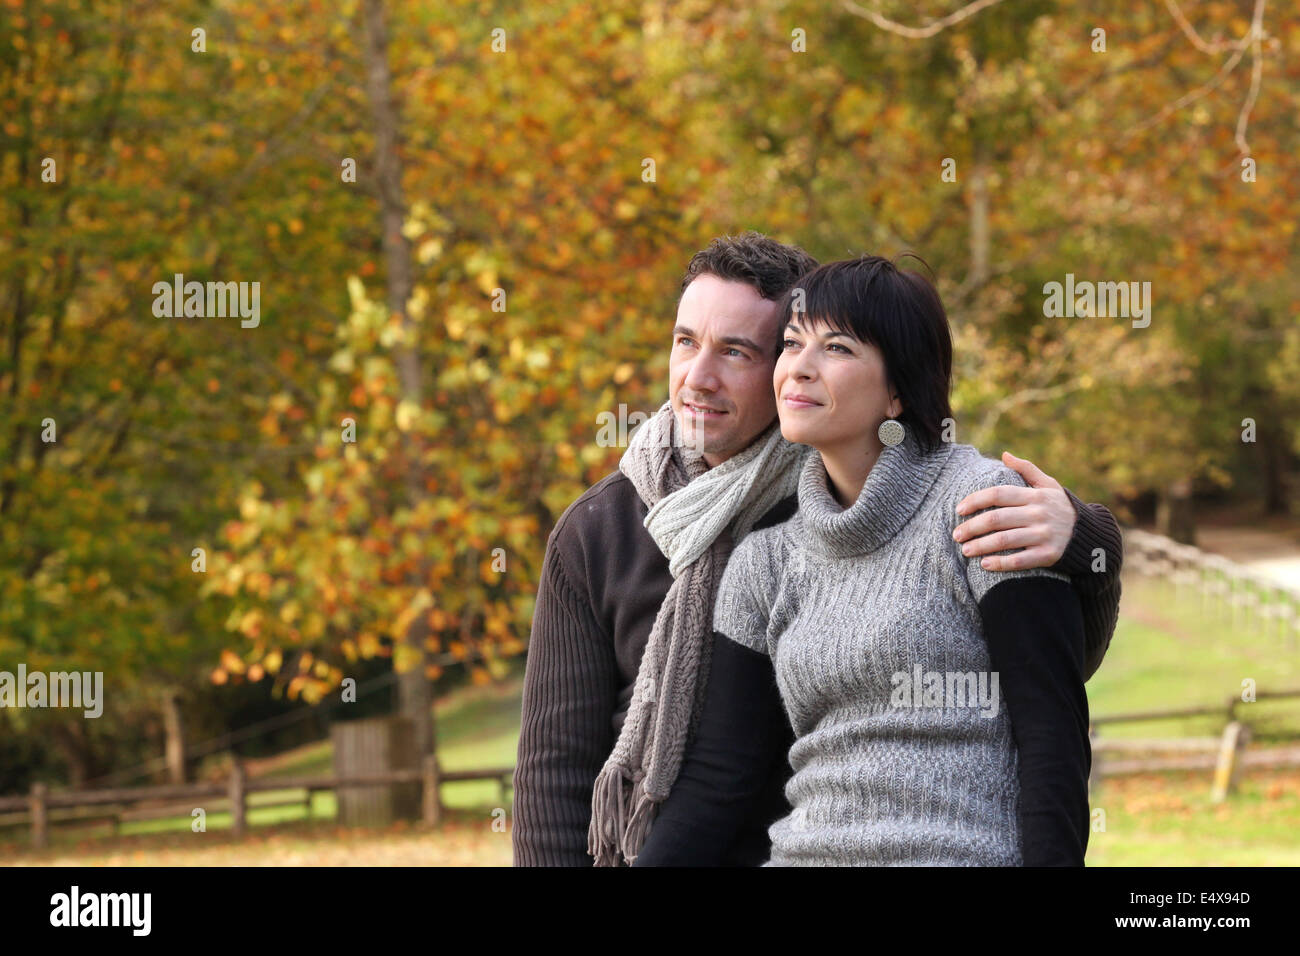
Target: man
615, 672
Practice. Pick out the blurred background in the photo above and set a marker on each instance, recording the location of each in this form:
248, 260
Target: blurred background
301, 543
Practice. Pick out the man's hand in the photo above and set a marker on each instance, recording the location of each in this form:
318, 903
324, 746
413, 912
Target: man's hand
1039, 519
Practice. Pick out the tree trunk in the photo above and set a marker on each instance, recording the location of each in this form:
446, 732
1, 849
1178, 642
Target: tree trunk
174, 731
1272, 447
1174, 517
979, 215
415, 699
69, 741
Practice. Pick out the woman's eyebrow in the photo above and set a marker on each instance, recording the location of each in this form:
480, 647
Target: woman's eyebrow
833, 333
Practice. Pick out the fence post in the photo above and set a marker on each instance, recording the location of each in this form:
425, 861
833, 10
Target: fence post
1228, 768
237, 797
40, 816
432, 794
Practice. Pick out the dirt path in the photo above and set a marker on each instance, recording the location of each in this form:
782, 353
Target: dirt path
1273, 553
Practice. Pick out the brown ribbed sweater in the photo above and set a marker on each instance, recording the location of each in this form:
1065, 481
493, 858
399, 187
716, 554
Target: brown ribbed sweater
603, 579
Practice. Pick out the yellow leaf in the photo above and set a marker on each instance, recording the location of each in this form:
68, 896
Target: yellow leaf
405, 658
407, 414
231, 662
428, 250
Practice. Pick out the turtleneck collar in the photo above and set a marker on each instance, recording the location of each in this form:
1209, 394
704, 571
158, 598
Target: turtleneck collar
898, 482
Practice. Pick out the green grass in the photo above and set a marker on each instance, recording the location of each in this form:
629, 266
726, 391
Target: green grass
1168, 820
1168, 653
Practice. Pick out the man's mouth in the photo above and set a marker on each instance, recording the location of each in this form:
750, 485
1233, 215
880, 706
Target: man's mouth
702, 411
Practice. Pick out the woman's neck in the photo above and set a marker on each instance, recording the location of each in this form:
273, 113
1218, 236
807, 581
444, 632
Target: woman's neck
847, 468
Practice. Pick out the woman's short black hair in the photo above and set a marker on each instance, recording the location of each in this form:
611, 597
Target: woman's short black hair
899, 312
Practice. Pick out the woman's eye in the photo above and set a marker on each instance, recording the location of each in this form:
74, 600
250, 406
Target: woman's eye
787, 342
837, 346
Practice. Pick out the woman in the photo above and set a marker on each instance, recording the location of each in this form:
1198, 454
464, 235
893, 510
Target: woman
937, 708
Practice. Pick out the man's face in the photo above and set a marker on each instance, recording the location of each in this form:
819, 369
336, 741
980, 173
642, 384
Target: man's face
720, 371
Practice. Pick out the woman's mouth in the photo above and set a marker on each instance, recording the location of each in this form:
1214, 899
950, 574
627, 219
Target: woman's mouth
800, 401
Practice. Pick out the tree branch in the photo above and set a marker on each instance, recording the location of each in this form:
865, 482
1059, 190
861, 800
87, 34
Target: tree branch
918, 33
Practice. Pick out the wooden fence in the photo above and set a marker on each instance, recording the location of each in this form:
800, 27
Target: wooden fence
1227, 592
42, 808
1226, 754
1225, 589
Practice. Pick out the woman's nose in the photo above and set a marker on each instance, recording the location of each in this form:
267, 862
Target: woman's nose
801, 368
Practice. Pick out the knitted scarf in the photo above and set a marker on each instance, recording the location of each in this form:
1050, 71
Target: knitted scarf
696, 514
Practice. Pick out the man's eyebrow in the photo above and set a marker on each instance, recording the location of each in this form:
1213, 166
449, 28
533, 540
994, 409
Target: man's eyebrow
833, 333
726, 339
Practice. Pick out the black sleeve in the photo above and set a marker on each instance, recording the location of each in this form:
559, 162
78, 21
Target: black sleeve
566, 730
728, 764
1034, 630
1098, 590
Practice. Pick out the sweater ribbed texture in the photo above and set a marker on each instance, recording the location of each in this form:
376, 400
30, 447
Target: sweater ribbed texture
844, 599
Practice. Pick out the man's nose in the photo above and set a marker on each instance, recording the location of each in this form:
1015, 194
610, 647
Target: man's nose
702, 375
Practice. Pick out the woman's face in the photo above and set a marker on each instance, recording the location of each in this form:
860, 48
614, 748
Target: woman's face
832, 390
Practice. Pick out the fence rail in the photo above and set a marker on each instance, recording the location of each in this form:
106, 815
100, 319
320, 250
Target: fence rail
42, 808
1226, 755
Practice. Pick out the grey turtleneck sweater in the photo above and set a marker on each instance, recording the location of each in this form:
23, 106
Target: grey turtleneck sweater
872, 621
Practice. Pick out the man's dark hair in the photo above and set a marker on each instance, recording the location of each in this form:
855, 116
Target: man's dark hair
899, 312
769, 266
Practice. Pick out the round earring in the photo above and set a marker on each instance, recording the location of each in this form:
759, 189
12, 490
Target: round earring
890, 432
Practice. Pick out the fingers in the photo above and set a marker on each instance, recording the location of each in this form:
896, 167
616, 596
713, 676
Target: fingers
1033, 475
1020, 561
1003, 540
995, 520
995, 497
